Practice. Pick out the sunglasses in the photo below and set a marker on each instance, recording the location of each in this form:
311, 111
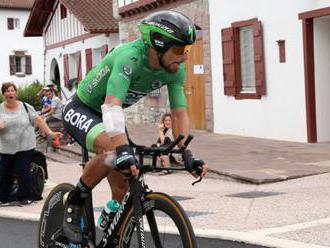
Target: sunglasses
181, 50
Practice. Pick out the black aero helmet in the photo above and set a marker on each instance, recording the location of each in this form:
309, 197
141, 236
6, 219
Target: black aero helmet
164, 29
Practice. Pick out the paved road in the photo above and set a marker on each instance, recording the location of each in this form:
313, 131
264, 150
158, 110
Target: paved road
289, 214
18, 234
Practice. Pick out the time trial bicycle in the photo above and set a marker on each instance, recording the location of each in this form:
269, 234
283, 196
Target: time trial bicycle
145, 218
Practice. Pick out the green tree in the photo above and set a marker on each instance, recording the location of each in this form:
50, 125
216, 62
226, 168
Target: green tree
30, 95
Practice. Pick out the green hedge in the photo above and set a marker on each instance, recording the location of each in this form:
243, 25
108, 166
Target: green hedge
29, 94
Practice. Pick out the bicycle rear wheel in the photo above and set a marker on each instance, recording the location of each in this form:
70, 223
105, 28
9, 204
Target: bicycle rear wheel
165, 224
51, 218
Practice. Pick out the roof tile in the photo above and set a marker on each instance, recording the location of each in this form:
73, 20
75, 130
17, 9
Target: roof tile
16, 4
95, 15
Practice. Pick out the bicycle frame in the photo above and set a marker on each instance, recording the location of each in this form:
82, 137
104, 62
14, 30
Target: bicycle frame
133, 197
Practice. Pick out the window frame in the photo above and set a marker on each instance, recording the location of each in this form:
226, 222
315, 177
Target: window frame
237, 26
231, 53
25, 62
13, 23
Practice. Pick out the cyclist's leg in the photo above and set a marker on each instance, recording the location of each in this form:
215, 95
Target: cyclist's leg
86, 127
96, 170
95, 139
118, 184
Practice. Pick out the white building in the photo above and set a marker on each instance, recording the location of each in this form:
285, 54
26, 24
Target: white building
21, 58
76, 34
271, 68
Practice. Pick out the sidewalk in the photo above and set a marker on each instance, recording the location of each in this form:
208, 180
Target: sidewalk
250, 159
286, 214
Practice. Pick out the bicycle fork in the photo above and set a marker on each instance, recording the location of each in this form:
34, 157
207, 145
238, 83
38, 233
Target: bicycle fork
135, 188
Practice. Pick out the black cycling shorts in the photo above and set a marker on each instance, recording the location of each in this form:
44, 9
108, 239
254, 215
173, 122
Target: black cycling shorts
82, 122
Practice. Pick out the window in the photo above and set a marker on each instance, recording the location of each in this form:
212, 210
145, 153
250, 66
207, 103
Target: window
72, 68
63, 11
20, 64
243, 60
16, 23
13, 23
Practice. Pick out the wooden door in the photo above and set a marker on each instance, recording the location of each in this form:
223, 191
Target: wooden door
194, 86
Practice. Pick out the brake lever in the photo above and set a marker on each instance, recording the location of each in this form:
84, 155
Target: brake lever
199, 171
198, 181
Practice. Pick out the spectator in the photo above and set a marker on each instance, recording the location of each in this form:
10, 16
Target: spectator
55, 113
17, 142
45, 102
165, 136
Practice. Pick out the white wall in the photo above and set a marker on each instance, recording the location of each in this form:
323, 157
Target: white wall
14, 40
63, 29
322, 76
57, 53
281, 114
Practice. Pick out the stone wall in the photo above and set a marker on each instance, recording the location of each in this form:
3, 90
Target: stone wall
149, 109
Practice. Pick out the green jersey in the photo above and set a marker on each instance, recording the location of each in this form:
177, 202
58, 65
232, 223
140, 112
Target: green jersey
125, 74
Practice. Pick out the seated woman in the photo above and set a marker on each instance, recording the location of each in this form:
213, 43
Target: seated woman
165, 137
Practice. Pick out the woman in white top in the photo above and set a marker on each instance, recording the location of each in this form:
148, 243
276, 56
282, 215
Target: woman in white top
17, 142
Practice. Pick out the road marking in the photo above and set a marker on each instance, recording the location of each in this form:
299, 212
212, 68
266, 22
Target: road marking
253, 239
294, 227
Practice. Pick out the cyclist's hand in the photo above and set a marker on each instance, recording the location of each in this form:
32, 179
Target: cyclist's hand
196, 167
125, 160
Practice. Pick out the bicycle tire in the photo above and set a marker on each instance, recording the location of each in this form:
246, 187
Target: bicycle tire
51, 216
38, 181
166, 205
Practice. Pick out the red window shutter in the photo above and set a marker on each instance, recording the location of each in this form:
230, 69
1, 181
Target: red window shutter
28, 65
104, 51
259, 59
63, 11
66, 68
12, 64
89, 62
228, 55
78, 61
10, 23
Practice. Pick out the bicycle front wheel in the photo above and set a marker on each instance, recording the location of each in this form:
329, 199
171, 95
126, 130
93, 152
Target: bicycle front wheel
51, 218
165, 224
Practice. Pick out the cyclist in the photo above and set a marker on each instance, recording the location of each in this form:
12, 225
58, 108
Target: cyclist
95, 117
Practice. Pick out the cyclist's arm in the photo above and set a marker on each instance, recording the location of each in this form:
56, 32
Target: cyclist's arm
178, 104
180, 118
124, 157
113, 115
117, 88
119, 139
180, 123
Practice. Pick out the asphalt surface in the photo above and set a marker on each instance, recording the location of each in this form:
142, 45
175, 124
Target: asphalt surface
288, 214
19, 234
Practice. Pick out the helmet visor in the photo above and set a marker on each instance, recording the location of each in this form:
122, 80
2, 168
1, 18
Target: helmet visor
181, 50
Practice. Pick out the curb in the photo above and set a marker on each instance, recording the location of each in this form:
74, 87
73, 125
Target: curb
16, 215
253, 239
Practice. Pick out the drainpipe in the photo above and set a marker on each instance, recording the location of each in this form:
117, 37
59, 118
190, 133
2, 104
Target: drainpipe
45, 53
